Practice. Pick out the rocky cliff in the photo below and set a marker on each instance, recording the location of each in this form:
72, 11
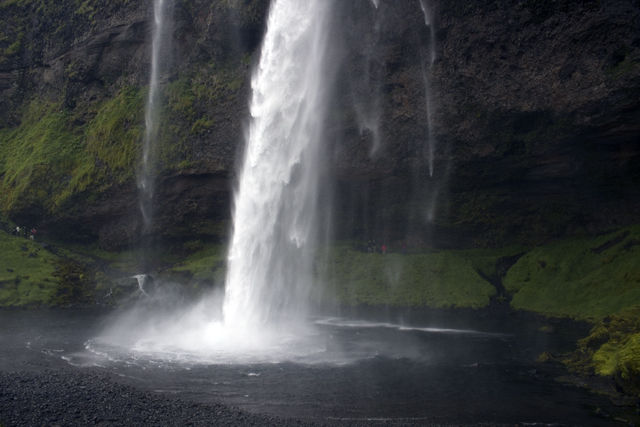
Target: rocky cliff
455, 123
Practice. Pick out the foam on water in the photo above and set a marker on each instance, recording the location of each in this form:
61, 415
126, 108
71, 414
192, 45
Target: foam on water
347, 323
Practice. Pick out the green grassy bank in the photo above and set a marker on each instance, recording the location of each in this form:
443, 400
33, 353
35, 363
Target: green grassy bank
33, 275
585, 279
27, 273
436, 279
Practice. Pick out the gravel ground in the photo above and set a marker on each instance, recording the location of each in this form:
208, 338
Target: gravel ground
91, 398
68, 398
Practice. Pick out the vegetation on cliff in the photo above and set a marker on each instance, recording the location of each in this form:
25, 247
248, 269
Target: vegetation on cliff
48, 159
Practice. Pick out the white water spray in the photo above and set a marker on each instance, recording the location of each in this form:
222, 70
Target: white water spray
275, 221
146, 175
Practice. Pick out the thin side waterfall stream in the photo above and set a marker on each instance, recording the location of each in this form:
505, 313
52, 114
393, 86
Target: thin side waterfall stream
427, 69
146, 174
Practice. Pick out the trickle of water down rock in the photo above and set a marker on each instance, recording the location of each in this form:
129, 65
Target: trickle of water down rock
276, 205
146, 174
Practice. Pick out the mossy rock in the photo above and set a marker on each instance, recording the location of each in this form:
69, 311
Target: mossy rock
612, 348
76, 285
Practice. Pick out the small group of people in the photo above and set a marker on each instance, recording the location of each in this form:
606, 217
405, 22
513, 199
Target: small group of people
372, 247
27, 234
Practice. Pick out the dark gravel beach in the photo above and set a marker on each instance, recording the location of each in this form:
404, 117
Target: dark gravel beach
73, 398
93, 398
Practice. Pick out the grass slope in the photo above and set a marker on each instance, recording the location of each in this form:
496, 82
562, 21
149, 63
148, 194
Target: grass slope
26, 273
440, 279
585, 279
202, 268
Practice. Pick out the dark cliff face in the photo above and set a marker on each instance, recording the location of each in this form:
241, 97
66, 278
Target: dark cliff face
524, 125
535, 122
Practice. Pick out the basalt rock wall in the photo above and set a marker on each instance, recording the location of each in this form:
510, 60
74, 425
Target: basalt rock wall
478, 123
535, 122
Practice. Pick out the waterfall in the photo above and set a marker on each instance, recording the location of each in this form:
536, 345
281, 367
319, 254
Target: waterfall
426, 73
276, 206
146, 174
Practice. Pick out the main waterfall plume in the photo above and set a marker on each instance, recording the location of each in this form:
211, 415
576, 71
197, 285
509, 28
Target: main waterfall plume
275, 221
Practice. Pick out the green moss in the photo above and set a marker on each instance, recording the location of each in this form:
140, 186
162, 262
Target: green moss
15, 47
181, 98
612, 349
200, 126
47, 160
583, 278
204, 267
442, 279
36, 157
26, 273
76, 284
112, 140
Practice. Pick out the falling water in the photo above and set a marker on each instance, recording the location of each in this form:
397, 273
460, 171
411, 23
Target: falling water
367, 106
146, 175
426, 73
275, 221
271, 256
